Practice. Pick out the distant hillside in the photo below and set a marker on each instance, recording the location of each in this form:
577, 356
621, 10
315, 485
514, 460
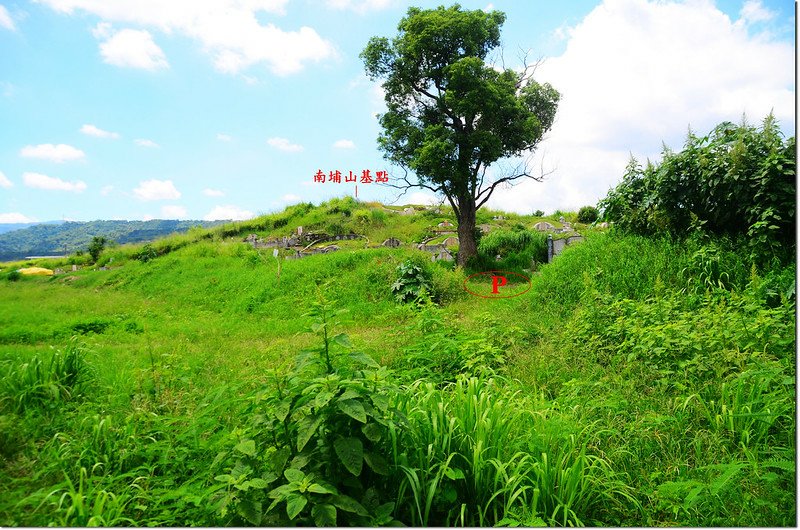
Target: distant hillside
54, 239
10, 227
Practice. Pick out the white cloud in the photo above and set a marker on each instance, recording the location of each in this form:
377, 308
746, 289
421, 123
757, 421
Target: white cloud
102, 30
209, 192
291, 197
344, 144
224, 137
753, 12
4, 182
174, 212
283, 144
5, 19
489, 7
359, 6
132, 48
43, 182
228, 30
232, 213
14, 217
145, 143
635, 73
156, 190
106, 190
91, 130
55, 153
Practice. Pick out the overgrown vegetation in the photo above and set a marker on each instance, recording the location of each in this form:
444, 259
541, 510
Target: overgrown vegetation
737, 181
517, 250
644, 380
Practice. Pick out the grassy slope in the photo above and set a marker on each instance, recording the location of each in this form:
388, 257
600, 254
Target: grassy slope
212, 315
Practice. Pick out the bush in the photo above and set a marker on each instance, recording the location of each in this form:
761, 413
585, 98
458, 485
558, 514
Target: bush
146, 254
736, 181
378, 217
441, 352
13, 276
587, 215
413, 282
517, 249
335, 228
96, 247
344, 206
315, 452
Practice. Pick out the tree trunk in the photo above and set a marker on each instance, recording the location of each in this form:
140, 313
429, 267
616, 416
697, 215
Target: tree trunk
466, 232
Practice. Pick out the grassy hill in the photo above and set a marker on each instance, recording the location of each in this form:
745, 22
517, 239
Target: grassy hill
49, 239
193, 381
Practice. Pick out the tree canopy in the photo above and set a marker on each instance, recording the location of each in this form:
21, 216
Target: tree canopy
450, 115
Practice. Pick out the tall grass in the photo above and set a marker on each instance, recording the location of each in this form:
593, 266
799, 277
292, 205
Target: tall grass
517, 249
468, 458
45, 383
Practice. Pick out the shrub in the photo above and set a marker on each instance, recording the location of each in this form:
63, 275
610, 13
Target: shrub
96, 247
344, 206
517, 249
413, 282
13, 276
362, 217
737, 180
587, 214
316, 447
146, 253
441, 353
335, 228
378, 217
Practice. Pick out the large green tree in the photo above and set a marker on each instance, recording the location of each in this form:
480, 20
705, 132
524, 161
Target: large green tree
450, 115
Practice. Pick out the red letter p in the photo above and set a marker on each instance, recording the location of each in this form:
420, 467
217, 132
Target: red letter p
498, 281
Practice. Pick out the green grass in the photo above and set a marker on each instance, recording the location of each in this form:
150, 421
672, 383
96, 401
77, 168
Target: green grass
639, 382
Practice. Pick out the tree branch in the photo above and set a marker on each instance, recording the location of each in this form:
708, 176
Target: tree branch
521, 171
527, 69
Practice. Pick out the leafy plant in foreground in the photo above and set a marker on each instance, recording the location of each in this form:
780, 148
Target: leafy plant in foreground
315, 451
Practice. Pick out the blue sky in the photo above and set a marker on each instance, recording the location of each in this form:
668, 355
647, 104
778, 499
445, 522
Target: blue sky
219, 109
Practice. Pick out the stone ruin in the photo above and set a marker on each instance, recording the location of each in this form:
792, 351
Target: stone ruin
558, 245
438, 252
392, 242
543, 226
450, 242
284, 242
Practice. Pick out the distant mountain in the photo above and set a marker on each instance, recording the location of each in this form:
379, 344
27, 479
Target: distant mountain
10, 227
68, 237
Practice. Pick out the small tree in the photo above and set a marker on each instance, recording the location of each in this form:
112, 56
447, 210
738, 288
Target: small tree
96, 247
450, 115
587, 214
